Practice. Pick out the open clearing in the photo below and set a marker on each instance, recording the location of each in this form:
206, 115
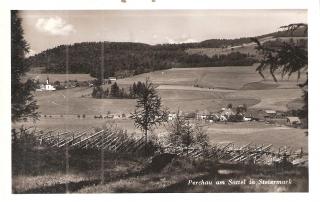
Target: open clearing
229, 77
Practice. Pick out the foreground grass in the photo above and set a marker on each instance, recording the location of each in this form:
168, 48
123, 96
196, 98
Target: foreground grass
22, 183
128, 176
44, 170
176, 177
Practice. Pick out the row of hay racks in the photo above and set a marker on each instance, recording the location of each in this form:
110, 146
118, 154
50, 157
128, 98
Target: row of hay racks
90, 139
119, 142
257, 154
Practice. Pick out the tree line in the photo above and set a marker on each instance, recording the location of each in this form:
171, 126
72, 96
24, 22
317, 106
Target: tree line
135, 91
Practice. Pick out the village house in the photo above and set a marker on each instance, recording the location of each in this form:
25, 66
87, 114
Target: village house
213, 118
172, 116
202, 115
269, 114
247, 118
117, 116
293, 121
226, 113
112, 78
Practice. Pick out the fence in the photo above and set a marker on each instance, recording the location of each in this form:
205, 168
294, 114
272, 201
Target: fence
118, 142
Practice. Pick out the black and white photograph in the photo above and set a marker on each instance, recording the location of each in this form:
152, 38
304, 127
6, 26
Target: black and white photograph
159, 101
109, 101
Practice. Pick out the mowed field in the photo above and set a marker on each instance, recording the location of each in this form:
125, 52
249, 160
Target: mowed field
218, 86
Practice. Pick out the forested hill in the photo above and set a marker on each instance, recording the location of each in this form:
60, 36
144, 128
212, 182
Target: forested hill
124, 59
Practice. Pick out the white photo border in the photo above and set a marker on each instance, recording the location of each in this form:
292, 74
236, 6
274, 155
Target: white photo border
314, 82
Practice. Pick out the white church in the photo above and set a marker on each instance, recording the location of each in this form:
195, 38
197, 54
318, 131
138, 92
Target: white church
46, 87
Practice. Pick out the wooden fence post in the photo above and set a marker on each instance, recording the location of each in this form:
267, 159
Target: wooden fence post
102, 165
67, 166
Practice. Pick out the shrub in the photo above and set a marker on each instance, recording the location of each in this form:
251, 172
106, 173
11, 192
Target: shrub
182, 134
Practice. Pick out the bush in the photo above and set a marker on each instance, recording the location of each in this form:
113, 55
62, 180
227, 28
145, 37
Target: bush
182, 134
235, 118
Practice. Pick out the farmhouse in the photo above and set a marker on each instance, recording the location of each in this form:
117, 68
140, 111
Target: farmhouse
293, 121
213, 118
203, 115
191, 115
172, 116
117, 116
247, 118
224, 115
112, 78
270, 113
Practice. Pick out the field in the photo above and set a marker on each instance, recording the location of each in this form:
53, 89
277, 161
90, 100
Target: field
58, 77
216, 87
186, 89
248, 48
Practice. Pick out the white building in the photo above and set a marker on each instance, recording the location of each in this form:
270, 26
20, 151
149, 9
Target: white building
112, 78
49, 86
46, 87
172, 116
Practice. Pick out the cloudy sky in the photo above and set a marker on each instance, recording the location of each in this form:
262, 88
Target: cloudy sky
47, 29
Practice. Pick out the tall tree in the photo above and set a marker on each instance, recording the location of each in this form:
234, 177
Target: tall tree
149, 111
23, 104
114, 90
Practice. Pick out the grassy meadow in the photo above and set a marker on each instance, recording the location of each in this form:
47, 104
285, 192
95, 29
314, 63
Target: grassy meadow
216, 87
186, 89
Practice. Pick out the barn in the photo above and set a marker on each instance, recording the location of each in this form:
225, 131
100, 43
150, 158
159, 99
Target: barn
293, 120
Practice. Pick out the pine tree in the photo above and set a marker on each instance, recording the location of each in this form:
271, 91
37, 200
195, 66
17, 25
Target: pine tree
131, 95
149, 111
139, 89
134, 90
114, 91
107, 92
23, 104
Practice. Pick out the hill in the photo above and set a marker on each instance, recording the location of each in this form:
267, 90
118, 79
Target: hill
126, 59
123, 59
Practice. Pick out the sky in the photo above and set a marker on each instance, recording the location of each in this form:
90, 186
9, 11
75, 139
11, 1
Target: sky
47, 29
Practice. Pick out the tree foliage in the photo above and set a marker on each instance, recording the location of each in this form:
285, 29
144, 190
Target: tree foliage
287, 58
115, 91
23, 104
149, 111
182, 134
